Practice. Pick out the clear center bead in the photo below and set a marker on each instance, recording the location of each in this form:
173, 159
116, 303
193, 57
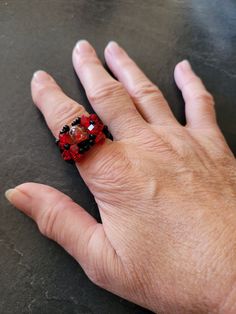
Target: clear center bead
77, 134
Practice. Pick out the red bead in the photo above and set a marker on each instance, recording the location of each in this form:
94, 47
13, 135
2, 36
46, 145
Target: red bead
74, 151
94, 117
100, 137
65, 138
66, 155
85, 121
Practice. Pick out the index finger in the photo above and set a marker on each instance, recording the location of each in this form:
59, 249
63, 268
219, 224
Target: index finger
57, 108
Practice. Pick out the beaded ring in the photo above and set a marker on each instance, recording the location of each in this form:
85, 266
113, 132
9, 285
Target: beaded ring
84, 132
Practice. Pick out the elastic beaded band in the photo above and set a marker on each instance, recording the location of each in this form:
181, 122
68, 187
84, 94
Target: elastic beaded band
78, 138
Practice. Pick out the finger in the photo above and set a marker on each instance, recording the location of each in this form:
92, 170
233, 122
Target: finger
199, 103
147, 97
57, 108
65, 222
107, 96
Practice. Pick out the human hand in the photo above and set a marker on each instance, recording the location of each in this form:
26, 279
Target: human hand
165, 192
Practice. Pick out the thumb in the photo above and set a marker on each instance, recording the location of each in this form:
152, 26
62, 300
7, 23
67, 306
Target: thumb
62, 220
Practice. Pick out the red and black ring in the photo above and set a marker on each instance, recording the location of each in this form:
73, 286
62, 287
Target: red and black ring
84, 132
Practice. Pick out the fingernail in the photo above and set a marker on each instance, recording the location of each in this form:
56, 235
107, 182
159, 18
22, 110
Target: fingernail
9, 193
83, 46
41, 76
18, 198
185, 65
114, 48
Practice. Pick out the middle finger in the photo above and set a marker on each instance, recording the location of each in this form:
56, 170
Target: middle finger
107, 96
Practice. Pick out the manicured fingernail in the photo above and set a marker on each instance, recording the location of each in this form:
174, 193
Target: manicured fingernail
9, 194
41, 76
114, 48
83, 46
185, 65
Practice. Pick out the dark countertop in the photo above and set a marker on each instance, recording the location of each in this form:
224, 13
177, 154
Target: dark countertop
36, 275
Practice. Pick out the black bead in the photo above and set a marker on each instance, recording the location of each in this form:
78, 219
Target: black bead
86, 147
83, 143
91, 122
91, 142
92, 136
67, 146
81, 150
70, 161
65, 129
76, 121
107, 133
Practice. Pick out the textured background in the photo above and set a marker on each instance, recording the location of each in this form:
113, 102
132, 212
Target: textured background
36, 275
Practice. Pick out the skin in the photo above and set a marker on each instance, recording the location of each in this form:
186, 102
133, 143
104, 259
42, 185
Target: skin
165, 192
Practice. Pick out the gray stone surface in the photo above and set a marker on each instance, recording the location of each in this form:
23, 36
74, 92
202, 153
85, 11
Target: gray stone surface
36, 275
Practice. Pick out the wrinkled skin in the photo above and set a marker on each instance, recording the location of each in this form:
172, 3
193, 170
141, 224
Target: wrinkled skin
165, 192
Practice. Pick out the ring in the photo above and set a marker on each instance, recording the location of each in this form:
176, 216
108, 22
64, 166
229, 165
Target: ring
80, 136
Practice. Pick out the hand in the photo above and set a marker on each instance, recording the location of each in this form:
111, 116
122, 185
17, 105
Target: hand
165, 192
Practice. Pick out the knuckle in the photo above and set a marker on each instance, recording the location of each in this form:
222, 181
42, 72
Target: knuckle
84, 61
126, 62
145, 89
192, 80
113, 89
190, 84
97, 277
205, 97
202, 95
113, 166
65, 113
41, 93
94, 267
47, 222
49, 219
112, 172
